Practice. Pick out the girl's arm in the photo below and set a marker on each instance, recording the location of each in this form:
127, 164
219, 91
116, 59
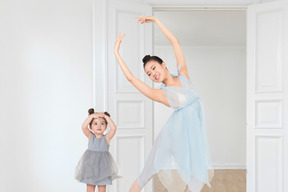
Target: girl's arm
173, 40
154, 94
86, 123
112, 126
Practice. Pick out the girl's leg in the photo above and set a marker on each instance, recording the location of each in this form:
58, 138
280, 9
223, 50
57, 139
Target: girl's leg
101, 188
90, 188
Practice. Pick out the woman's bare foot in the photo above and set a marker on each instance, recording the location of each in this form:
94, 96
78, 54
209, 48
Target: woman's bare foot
135, 187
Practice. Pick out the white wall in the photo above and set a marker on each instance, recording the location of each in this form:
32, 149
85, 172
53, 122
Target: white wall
219, 74
46, 85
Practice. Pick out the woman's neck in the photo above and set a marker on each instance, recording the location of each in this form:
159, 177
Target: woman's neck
170, 80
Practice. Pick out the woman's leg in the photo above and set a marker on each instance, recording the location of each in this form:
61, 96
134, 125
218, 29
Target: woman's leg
136, 188
90, 188
101, 188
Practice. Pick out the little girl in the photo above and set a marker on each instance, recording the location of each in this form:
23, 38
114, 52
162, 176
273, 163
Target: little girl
97, 166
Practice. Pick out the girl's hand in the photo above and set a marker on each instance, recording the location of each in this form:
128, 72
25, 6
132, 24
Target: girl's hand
118, 42
103, 115
96, 115
100, 114
106, 116
146, 19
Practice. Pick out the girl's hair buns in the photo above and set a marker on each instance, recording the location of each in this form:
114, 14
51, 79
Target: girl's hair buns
91, 111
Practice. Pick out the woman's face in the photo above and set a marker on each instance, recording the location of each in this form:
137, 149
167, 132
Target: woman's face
98, 126
155, 71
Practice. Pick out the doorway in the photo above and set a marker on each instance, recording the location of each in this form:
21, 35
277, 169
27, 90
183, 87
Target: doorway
214, 45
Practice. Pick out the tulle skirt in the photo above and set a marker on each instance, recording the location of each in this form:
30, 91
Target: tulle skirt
96, 168
180, 154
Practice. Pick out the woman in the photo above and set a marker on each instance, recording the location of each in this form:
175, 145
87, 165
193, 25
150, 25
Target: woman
180, 154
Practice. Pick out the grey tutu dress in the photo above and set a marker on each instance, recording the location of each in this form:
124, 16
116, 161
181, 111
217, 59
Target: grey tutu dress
97, 166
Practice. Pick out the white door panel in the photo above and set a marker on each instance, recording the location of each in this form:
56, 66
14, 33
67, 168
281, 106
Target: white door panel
131, 110
267, 99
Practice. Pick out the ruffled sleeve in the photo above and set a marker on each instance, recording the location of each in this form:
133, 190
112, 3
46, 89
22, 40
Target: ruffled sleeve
162, 86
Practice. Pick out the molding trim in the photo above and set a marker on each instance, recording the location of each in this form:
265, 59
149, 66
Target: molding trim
202, 8
100, 58
229, 166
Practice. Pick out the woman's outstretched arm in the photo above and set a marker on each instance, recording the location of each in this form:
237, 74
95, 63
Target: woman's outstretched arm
154, 94
172, 39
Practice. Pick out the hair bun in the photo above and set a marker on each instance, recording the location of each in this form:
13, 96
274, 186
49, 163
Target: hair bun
91, 111
106, 113
146, 58
149, 58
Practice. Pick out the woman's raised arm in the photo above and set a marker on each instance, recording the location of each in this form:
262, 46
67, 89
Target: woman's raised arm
172, 39
154, 94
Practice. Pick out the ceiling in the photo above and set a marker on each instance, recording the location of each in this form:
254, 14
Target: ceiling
202, 28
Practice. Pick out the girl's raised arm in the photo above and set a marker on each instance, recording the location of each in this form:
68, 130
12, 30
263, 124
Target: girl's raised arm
173, 40
86, 123
112, 126
154, 94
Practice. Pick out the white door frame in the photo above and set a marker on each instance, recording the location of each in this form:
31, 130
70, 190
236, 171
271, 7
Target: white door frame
100, 46
199, 8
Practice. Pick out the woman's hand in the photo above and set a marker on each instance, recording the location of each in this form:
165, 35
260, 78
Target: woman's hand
118, 42
146, 19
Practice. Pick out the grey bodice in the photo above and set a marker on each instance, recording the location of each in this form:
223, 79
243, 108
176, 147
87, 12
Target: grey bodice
98, 144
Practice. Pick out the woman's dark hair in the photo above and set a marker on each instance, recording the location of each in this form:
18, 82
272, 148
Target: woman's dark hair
91, 111
148, 58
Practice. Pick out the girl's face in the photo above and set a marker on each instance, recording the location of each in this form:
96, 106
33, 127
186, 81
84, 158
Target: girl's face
98, 126
156, 72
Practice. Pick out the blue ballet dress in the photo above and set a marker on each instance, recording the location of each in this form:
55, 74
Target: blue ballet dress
180, 154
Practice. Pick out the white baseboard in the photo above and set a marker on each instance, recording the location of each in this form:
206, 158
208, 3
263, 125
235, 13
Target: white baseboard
229, 166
